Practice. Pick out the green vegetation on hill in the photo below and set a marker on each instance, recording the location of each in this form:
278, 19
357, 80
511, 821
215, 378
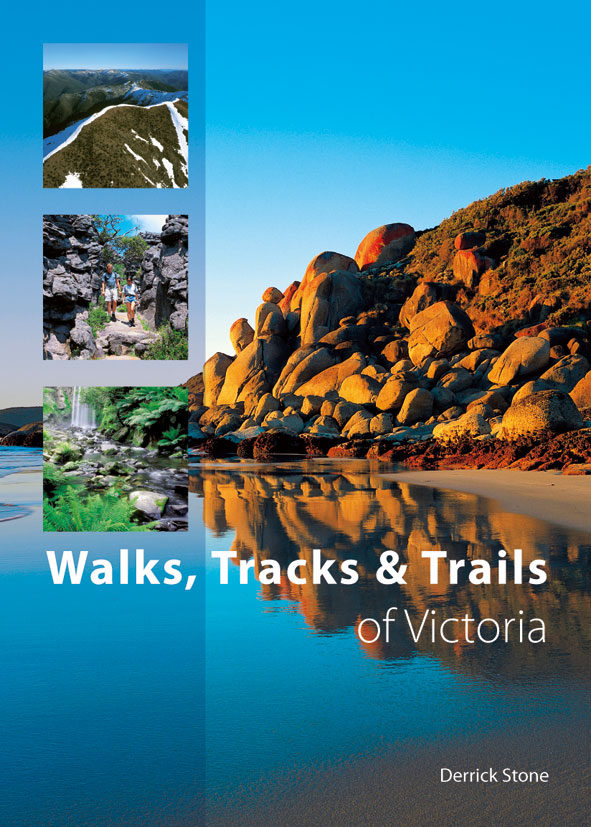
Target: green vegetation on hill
100, 157
539, 236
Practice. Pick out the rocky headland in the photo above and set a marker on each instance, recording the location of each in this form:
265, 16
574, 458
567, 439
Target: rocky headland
73, 264
466, 345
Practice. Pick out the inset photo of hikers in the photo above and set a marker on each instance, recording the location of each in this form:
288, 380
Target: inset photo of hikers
115, 287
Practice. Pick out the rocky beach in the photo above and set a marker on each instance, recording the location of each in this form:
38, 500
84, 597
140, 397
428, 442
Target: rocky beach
463, 346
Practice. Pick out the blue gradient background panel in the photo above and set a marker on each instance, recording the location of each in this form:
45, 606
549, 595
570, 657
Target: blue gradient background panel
24, 201
102, 692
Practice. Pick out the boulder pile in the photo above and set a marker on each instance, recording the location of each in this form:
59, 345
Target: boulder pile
358, 353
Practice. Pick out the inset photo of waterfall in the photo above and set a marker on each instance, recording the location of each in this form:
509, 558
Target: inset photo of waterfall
115, 287
115, 459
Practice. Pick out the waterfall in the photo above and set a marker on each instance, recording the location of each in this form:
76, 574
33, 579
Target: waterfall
82, 414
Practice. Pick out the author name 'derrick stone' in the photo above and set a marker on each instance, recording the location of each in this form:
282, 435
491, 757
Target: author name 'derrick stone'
492, 776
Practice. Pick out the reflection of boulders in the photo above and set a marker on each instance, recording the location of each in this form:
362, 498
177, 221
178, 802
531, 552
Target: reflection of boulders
164, 276
354, 512
71, 281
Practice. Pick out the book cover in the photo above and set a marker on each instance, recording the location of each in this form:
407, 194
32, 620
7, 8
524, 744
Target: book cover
295, 428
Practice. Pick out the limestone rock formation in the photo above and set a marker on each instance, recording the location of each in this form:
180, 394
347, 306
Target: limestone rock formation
71, 281
164, 276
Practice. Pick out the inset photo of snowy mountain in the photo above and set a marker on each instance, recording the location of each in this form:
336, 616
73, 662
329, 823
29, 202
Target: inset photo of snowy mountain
115, 115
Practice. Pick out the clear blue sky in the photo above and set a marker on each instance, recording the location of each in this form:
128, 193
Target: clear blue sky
115, 55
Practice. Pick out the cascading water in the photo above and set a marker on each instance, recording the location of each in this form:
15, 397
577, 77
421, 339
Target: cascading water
82, 414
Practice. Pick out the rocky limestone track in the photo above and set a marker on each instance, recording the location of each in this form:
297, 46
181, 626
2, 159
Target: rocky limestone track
350, 361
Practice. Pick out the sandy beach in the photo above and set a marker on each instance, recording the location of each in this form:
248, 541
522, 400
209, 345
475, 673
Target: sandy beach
543, 494
405, 787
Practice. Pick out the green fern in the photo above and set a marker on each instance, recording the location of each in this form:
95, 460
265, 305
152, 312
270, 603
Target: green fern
99, 512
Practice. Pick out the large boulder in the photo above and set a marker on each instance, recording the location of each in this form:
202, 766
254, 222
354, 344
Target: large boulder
326, 299
417, 407
440, 330
385, 244
358, 426
424, 295
581, 393
566, 373
303, 364
360, 389
329, 262
269, 321
214, 374
332, 378
470, 424
539, 413
523, 357
393, 393
469, 239
288, 297
254, 372
467, 266
241, 334
273, 294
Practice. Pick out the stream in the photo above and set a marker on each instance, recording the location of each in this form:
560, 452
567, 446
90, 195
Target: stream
106, 462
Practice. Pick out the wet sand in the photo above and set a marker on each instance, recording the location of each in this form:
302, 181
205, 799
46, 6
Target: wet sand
543, 494
406, 788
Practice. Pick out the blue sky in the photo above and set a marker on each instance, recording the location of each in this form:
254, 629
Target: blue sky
115, 55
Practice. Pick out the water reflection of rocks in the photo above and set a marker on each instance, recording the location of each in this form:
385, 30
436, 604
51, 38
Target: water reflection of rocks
349, 510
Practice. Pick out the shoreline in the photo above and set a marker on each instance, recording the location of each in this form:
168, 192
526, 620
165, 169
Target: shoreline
546, 495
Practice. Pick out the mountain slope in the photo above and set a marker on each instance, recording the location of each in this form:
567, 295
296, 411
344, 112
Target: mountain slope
537, 246
72, 95
18, 417
124, 146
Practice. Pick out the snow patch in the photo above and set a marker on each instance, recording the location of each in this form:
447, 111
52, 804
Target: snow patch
156, 143
156, 163
170, 170
180, 124
73, 181
139, 137
135, 155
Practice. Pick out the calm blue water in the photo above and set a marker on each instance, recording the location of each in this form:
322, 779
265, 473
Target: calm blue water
102, 690
292, 691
